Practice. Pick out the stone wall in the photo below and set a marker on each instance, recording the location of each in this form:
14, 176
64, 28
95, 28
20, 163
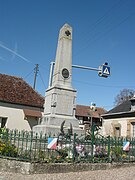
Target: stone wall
15, 166
43, 168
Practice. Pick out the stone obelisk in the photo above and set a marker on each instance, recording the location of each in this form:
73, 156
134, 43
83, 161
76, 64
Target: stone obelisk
60, 96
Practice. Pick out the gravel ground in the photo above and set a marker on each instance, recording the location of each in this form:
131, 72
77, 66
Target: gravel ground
127, 173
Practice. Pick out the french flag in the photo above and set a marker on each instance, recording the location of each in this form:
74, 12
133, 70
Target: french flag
126, 146
52, 143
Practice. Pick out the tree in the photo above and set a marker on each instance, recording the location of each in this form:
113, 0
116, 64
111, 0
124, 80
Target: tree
124, 95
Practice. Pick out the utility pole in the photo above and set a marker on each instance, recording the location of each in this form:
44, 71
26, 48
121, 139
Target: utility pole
35, 75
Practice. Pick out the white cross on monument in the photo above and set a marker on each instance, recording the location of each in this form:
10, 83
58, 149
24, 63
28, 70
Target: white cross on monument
60, 97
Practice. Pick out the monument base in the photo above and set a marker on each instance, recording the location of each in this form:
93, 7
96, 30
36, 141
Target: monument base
54, 130
51, 125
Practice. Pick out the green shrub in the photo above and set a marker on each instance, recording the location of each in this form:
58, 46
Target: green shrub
8, 149
116, 153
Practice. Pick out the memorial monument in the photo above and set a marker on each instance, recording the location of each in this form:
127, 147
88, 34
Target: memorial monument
60, 98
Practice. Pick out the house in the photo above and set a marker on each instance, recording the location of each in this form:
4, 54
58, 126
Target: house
21, 107
120, 121
87, 116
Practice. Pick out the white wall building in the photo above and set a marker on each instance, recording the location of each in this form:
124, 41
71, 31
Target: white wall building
21, 106
120, 121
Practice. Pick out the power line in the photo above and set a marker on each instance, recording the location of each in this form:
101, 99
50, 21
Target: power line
36, 71
116, 26
101, 19
29, 74
100, 85
42, 80
107, 32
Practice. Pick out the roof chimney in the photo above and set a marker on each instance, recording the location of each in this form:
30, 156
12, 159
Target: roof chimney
133, 103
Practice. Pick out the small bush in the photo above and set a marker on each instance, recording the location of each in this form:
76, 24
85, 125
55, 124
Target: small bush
116, 153
8, 149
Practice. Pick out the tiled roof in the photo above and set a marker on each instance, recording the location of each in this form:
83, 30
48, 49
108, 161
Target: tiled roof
123, 107
85, 111
120, 111
16, 90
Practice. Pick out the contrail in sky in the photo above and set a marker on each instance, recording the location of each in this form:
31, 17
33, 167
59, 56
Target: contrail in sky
13, 52
1, 58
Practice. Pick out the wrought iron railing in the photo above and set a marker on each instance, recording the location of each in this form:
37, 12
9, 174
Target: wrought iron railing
28, 146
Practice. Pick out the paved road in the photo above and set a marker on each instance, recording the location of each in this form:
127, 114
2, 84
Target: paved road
127, 173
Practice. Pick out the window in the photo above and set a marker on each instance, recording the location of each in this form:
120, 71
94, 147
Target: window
2, 122
117, 131
80, 120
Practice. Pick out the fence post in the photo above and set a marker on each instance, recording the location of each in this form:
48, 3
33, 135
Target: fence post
31, 143
108, 153
74, 147
92, 140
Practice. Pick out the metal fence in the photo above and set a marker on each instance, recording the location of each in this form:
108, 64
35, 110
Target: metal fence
35, 148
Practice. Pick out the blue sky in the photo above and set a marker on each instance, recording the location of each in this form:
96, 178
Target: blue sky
103, 31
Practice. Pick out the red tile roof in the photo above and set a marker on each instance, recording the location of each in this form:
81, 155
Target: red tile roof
85, 111
16, 90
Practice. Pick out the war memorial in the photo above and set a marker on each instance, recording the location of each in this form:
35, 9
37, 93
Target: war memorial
60, 98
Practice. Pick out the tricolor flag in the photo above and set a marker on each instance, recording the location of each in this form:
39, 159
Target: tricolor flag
52, 143
126, 145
